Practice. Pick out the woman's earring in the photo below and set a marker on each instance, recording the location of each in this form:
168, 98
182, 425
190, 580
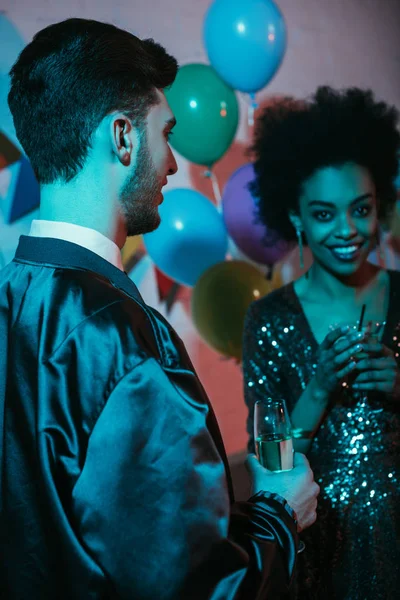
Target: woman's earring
300, 243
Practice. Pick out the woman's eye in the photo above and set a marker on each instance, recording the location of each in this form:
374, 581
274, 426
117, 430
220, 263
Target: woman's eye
322, 215
363, 211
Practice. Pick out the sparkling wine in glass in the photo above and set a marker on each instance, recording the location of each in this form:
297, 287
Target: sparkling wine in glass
273, 437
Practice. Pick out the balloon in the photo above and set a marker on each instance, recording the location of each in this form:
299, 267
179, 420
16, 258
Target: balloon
207, 114
191, 238
132, 252
239, 212
235, 253
220, 301
245, 41
276, 279
130, 247
11, 45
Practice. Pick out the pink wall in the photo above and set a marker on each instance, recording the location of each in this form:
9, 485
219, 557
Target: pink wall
340, 42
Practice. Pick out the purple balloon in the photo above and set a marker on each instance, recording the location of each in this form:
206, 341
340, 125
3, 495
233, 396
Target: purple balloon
239, 211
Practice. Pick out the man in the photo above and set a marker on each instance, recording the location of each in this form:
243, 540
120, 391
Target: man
115, 482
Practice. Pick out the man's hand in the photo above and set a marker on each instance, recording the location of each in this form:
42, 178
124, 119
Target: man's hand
296, 486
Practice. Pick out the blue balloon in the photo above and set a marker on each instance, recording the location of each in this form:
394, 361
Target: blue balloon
245, 41
191, 237
11, 45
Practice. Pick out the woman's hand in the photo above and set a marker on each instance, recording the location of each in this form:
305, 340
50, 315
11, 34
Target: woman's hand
336, 357
378, 371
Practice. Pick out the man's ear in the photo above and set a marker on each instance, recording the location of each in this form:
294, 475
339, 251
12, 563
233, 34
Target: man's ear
295, 221
124, 138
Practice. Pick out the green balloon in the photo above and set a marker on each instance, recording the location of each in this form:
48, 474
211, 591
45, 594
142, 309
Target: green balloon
207, 114
220, 300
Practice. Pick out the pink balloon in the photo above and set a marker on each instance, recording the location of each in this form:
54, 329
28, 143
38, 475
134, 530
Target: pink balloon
239, 212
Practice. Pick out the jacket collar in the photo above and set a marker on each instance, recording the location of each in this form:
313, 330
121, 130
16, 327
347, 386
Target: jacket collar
60, 253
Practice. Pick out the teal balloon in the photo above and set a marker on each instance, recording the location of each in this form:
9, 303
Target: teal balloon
207, 114
245, 42
190, 239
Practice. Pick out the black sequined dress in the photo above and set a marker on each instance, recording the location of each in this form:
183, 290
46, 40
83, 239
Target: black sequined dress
353, 550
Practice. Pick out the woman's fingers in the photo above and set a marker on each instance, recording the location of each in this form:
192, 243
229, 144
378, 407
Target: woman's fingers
333, 336
376, 364
347, 369
376, 386
345, 342
338, 361
340, 358
374, 347
379, 375
346, 350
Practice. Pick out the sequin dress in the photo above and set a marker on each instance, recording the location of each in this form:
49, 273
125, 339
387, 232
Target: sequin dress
353, 550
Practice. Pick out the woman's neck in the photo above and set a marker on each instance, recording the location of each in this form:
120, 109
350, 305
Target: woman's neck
328, 301
330, 286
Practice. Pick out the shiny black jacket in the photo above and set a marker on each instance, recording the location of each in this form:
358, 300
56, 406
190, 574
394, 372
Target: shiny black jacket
114, 479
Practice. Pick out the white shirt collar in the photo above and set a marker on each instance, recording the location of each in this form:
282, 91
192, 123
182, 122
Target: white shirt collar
83, 236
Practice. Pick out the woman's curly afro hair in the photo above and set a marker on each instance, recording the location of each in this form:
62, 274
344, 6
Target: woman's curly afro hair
294, 139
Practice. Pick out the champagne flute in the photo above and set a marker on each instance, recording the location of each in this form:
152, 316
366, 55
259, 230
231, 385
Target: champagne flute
273, 437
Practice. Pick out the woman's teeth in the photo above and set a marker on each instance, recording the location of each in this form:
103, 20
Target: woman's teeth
345, 252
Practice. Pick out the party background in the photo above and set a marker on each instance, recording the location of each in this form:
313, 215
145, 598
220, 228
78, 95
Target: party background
206, 263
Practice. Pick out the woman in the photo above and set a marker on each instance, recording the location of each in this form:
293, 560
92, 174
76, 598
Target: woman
324, 176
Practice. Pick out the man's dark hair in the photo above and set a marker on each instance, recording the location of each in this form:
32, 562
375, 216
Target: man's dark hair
69, 78
294, 139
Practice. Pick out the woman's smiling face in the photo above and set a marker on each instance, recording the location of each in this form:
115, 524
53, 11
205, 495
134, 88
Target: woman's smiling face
338, 214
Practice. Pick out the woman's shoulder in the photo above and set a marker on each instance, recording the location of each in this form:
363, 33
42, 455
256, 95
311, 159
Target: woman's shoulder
275, 327
280, 301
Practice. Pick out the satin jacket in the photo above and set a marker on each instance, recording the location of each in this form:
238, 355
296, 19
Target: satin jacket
114, 479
